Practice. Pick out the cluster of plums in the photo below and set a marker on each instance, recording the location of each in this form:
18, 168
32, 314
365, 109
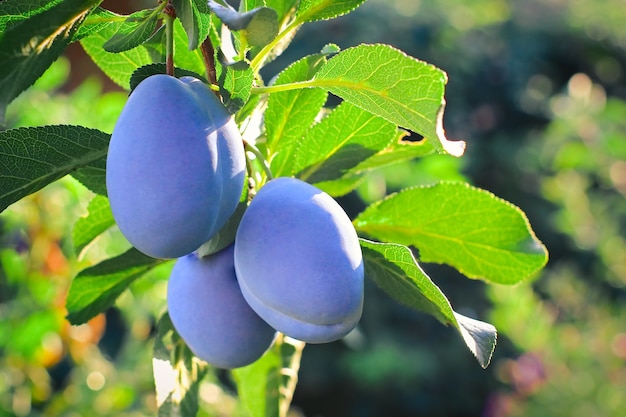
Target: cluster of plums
175, 174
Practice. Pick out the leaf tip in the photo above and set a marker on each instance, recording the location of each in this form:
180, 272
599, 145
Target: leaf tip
453, 147
480, 338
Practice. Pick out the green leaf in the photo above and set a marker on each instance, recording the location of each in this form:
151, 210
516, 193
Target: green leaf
394, 269
189, 19
235, 82
96, 288
259, 25
99, 218
289, 114
468, 228
342, 140
28, 46
33, 157
266, 386
13, 12
312, 10
341, 186
135, 30
148, 70
177, 373
93, 175
394, 86
282, 7
117, 66
97, 20
399, 150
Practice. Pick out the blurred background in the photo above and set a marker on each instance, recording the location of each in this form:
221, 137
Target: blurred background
538, 90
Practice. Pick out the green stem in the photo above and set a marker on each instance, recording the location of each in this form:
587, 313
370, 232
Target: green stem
286, 87
258, 60
257, 153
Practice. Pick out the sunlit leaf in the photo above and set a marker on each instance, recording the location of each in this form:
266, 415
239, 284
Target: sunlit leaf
312, 10
394, 86
394, 269
468, 228
99, 218
342, 140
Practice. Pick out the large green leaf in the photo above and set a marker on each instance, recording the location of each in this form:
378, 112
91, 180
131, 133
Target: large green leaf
312, 10
266, 386
96, 288
342, 140
399, 150
99, 218
33, 157
135, 30
468, 228
394, 269
33, 37
289, 114
394, 86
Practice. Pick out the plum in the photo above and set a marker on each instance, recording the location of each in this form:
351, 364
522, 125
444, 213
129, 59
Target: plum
210, 314
299, 263
175, 166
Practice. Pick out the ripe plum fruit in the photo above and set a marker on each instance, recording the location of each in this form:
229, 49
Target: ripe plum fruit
299, 263
209, 312
175, 167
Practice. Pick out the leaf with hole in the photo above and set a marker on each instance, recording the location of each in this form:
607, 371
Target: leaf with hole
390, 84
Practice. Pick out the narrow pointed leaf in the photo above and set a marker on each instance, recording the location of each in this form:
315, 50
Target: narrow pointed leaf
468, 228
342, 140
266, 386
117, 66
135, 30
394, 86
289, 114
99, 218
394, 269
96, 288
312, 10
33, 157
189, 19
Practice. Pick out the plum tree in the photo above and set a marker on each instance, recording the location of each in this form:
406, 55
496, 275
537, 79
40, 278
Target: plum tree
299, 263
175, 166
209, 312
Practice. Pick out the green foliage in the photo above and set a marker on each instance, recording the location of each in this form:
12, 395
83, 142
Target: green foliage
383, 91
32, 39
34, 157
442, 220
95, 289
396, 271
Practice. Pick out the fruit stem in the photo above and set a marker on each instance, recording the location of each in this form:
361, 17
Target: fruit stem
170, 15
208, 54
